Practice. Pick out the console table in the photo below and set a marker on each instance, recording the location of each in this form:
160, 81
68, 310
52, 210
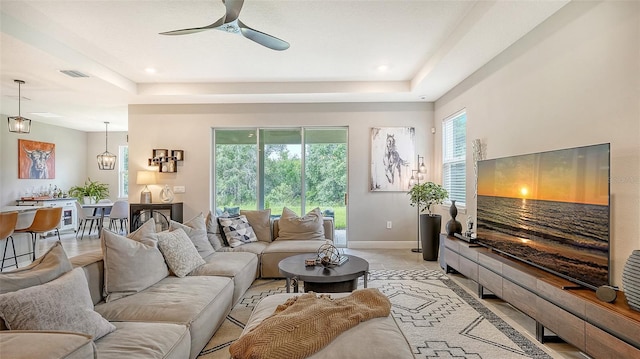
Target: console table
602, 330
174, 211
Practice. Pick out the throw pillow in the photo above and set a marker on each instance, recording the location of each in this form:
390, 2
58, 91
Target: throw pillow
179, 252
45, 268
148, 227
213, 231
260, 221
223, 236
196, 229
237, 230
310, 226
61, 304
130, 265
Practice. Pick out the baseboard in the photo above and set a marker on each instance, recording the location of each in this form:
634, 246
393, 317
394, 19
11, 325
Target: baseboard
381, 244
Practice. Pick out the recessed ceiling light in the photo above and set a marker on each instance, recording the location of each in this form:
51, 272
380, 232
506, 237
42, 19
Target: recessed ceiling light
45, 114
382, 68
150, 70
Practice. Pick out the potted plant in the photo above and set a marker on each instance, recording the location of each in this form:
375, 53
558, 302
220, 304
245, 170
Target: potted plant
424, 196
91, 192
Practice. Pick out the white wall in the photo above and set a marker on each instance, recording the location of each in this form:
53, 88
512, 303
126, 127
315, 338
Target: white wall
188, 127
573, 81
71, 159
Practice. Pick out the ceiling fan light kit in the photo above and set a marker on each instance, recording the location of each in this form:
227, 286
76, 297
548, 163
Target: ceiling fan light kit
19, 124
231, 23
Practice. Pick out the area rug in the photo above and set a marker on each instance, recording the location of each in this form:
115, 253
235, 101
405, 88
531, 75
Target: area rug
439, 318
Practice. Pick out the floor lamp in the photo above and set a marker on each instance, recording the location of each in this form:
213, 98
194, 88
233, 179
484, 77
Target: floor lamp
416, 177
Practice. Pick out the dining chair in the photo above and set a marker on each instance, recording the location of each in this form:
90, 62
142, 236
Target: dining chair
83, 218
119, 213
45, 220
106, 210
8, 222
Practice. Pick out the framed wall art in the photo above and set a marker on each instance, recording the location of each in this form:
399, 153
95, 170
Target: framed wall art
392, 154
36, 160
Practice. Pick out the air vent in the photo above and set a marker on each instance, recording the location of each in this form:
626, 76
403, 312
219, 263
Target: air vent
74, 73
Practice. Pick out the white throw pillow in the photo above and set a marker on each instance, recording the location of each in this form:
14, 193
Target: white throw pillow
237, 230
179, 252
213, 232
310, 226
260, 221
196, 229
131, 264
62, 304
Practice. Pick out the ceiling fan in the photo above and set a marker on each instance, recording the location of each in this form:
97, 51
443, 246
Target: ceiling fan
230, 22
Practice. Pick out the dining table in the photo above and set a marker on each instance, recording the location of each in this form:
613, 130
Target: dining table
102, 207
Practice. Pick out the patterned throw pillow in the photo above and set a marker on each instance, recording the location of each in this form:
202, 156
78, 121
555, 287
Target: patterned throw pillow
237, 230
179, 252
61, 304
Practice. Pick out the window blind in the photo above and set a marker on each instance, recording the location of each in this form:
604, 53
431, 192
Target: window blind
454, 148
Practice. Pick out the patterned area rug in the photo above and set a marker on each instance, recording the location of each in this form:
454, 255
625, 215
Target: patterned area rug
438, 318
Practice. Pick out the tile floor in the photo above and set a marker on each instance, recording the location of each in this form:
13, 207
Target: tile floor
378, 259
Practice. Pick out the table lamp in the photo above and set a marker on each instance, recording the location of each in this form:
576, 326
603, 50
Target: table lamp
145, 178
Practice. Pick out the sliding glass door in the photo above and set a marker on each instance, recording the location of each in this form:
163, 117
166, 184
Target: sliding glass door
297, 168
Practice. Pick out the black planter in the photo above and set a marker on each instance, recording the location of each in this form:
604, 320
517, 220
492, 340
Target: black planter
430, 236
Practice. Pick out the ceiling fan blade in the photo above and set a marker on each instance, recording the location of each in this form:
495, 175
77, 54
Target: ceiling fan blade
261, 38
195, 29
233, 10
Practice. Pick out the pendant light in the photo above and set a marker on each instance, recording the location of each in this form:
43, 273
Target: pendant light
19, 124
106, 160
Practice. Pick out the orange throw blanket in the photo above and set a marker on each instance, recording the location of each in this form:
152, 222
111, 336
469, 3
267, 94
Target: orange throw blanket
305, 324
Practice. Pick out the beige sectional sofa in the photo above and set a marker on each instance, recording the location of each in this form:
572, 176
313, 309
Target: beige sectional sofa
172, 318
152, 313
271, 252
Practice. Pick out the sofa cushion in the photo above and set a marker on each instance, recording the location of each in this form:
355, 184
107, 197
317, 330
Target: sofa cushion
242, 267
309, 226
179, 252
237, 230
279, 250
130, 265
45, 268
62, 304
260, 221
196, 229
200, 303
213, 231
19, 344
253, 247
134, 340
375, 338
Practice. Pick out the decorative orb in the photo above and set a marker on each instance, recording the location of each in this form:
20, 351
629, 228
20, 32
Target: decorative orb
328, 255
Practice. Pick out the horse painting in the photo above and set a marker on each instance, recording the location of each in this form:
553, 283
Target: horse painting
392, 149
36, 160
392, 160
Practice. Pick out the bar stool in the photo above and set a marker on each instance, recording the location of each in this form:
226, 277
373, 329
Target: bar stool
8, 222
45, 220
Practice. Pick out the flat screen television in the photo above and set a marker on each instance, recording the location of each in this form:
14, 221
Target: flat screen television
549, 209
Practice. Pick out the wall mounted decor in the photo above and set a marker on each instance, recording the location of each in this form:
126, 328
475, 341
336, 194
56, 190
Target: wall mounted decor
392, 153
167, 161
36, 159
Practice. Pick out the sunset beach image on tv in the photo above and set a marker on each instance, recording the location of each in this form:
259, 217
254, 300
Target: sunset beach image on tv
549, 209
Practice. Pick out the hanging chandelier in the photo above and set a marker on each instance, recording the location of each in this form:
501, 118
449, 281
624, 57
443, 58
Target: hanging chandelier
106, 160
19, 124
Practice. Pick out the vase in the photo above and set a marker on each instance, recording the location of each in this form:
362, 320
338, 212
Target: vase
430, 225
453, 226
631, 280
166, 194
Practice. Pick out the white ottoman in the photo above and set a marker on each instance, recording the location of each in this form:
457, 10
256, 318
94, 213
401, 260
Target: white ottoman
375, 338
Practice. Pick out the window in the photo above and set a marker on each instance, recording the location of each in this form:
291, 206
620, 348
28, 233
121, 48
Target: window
123, 172
454, 148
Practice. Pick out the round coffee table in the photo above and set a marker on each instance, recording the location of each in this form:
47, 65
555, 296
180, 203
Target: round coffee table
342, 278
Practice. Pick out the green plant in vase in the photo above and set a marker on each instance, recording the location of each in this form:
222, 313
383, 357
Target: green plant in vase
91, 192
425, 195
